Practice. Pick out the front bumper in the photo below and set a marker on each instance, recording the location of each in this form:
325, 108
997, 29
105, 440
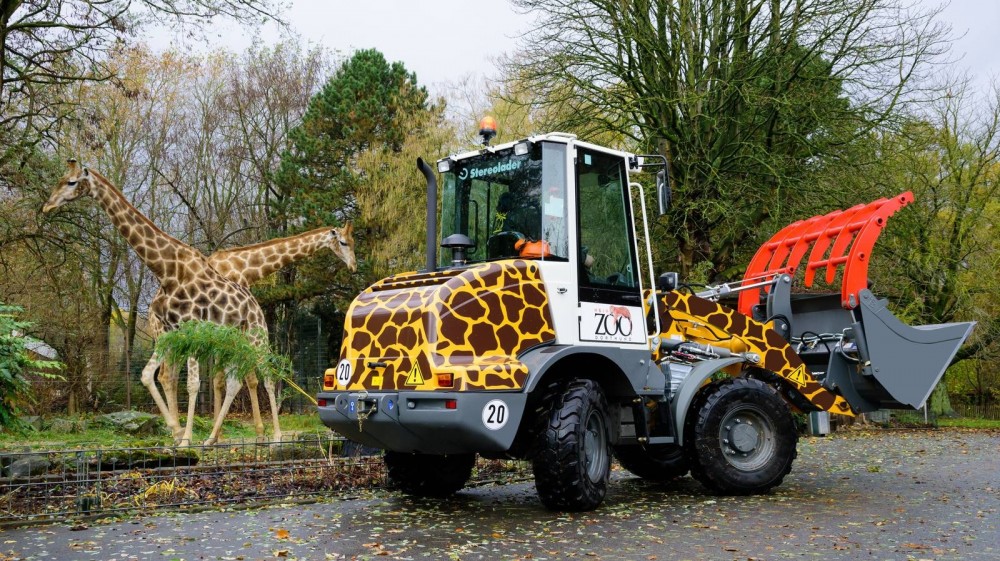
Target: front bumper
423, 422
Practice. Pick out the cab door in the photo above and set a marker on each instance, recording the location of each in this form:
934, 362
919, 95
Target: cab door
610, 304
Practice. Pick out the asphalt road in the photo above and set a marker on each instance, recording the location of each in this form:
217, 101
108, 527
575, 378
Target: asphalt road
888, 495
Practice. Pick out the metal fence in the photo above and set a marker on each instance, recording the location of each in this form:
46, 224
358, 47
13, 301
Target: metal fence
53, 485
989, 411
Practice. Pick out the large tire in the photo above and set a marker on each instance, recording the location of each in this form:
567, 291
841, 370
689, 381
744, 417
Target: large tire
428, 475
572, 463
740, 437
658, 462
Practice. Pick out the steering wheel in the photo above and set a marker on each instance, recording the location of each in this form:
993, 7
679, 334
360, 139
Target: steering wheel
501, 244
617, 278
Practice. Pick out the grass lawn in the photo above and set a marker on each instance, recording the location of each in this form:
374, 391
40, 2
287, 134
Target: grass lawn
964, 423
82, 432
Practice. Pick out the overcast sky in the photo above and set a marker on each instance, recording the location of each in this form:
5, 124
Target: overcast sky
445, 40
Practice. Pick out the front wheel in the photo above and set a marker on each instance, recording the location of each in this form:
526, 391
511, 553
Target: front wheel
428, 475
742, 437
572, 464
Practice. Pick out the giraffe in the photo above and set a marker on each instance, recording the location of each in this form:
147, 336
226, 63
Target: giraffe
245, 266
190, 289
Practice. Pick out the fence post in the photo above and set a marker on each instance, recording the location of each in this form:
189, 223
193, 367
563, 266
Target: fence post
82, 504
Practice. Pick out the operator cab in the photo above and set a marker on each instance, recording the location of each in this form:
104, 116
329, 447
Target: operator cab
560, 202
510, 202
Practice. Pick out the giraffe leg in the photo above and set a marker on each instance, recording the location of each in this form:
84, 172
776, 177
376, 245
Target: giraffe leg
168, 381
219, 385
193, 385
258, 424
269, 387
148, 375
233, 386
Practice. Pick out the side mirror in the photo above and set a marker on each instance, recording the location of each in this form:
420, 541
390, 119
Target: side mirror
668, 282
663, 190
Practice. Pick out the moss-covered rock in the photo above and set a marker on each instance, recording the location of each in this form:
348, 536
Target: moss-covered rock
301, 450
146, 458
132, 423
67, 425
34, 422
27, 466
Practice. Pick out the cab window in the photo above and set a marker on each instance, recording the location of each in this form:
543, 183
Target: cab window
607, 260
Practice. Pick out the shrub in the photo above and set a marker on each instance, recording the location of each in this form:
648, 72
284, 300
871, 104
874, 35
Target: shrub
15, 364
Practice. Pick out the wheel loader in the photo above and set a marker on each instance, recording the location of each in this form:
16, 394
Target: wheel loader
540, 332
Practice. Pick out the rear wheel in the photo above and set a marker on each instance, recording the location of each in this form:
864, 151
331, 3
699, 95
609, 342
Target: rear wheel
428, 475
740, 437
657, 462
572, 463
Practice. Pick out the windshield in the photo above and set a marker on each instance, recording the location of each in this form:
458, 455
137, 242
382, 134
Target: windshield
509, 205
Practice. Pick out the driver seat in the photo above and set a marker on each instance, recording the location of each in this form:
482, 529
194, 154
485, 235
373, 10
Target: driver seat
501, 243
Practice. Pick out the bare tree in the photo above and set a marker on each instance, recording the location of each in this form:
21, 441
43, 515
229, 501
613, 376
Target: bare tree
46, 45
744, 97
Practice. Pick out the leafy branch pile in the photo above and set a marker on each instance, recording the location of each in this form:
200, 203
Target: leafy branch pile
223, 346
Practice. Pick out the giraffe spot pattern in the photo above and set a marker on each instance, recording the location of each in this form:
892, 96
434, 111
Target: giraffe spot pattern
472, 323
726, 327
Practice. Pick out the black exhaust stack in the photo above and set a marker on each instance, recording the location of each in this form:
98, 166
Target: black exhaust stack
432, 192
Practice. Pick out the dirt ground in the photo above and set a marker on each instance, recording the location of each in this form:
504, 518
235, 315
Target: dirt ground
889, 495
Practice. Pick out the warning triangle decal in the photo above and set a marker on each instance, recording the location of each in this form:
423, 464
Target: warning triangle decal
414, 378
799, 375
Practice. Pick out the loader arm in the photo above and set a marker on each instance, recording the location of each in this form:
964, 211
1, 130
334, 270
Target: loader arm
696, 319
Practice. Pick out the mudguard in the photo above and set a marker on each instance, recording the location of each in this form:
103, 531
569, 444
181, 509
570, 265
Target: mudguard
689, 388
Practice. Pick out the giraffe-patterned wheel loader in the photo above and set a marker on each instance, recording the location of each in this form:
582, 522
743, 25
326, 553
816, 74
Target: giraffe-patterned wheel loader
542, 334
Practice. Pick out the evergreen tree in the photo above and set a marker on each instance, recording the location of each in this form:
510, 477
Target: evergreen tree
367, 107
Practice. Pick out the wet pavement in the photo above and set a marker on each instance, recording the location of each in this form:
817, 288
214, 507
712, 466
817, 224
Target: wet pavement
897, 495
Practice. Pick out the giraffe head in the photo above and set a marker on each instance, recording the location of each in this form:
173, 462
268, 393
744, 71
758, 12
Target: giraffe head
341, 242
73, 185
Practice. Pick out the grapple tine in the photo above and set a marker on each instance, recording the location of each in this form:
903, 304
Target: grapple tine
849, 235
820, 249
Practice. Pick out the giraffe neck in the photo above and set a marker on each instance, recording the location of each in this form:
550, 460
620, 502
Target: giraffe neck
251, 263
156, 249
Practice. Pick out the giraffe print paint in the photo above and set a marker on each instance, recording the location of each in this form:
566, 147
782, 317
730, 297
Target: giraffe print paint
461, 331
540, 332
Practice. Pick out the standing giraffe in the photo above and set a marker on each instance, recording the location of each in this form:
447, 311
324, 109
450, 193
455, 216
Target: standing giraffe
190, 289
245, 266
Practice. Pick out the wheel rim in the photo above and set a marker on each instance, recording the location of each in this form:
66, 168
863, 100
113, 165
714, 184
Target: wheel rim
595, 447
747, 438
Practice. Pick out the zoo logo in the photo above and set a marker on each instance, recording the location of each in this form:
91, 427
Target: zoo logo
613, 324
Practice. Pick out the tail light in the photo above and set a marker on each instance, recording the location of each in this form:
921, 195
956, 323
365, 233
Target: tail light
445, 380
330, 379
